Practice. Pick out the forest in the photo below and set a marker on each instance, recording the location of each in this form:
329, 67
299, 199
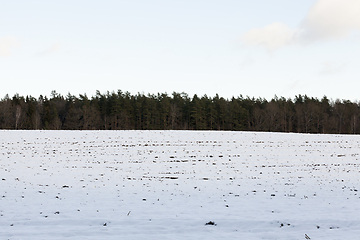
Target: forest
124, 111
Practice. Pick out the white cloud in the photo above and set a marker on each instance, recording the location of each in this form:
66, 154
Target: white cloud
6, 44
248, 60
331, 19
52, 49
326, 19
329, 68
271, 36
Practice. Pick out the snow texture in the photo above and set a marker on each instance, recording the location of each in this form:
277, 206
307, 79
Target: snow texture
178, 185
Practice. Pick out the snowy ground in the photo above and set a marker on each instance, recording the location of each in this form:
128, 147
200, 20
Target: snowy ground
169, 184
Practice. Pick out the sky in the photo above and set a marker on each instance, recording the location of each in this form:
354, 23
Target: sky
231, 47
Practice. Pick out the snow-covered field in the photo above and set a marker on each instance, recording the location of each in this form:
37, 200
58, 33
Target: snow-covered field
169, 184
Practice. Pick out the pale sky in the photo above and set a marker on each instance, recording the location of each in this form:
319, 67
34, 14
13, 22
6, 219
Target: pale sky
255, 48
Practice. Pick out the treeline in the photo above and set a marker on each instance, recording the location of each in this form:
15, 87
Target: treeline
121, 110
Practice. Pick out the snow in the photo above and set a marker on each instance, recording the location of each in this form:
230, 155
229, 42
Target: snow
169, 184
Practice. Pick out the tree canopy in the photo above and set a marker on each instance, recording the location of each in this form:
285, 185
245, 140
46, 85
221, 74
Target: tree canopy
124, 111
